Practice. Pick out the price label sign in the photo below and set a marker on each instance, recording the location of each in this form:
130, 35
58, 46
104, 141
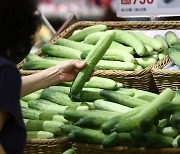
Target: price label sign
132, 8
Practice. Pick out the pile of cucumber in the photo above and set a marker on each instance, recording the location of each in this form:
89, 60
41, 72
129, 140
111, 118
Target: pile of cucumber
106, 114
128, 51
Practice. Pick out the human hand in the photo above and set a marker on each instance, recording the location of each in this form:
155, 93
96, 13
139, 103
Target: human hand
69, 70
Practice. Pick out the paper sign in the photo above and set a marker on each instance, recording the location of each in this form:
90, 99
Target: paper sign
127, 8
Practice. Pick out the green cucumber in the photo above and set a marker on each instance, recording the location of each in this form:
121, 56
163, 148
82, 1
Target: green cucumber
46, 106
39, 135
171, 38
32, 56
80, 36
92, 59
61, 51
57, 97
149, 110
130, 40
101, 104
75, 45
75, 115
43, 125
122, 99
114, 65
156, 44
23, 103
87, 135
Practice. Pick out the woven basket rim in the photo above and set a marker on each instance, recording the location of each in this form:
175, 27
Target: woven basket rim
159, 67
53, 140
122, 148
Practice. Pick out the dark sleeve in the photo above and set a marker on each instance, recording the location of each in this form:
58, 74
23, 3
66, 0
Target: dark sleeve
10, 86
13, 129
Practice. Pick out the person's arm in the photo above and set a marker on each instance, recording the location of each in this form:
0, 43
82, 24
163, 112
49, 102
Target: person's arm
60, 73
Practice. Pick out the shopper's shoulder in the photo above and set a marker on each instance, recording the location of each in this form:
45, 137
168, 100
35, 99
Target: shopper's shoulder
5, 63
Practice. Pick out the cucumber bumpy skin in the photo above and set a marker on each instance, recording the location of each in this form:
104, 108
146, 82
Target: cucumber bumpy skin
94, 56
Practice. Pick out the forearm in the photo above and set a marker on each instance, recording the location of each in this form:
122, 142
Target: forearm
39, 80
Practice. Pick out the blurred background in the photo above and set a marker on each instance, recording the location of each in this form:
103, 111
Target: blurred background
57, 11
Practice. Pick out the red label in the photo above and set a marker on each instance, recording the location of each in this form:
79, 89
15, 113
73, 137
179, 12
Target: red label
125, 1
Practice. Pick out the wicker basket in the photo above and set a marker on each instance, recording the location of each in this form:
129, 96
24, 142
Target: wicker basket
96, 149
165, 78
131, 79
46, 146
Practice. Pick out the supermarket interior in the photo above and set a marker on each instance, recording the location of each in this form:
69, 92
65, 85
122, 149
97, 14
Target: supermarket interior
90, 77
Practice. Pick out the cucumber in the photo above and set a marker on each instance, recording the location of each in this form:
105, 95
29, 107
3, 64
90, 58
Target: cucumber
169, 131
52, 117
146, 61
114, 65
108, 126
174, 54
31, 96
130, 40
61, 51
138, 67
156, 44
119, 85
149, 50
176, 98
116, 45
98, 82
74, 115
46, 106
91, 122
118, 139
69, 151
162, 55
29, 113
87, 135
40, 64
90, 94
175, 120
163, 41
125, 91
101, 104
32, 56
93, 38
66, 129
145, 95
75, 45
55, 58
147, 139
39, 135
42, 125
80, 36
175, 143
23, 103
92, 59
62, 89
149, 110
114, 54
171, 38
57, 97
122, 99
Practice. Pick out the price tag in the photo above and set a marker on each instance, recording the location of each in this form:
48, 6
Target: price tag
127, 8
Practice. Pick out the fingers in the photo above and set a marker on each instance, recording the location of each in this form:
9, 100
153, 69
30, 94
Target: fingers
79, 64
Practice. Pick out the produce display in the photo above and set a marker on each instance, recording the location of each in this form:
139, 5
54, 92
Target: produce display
128, 50
102, 111
108, 115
